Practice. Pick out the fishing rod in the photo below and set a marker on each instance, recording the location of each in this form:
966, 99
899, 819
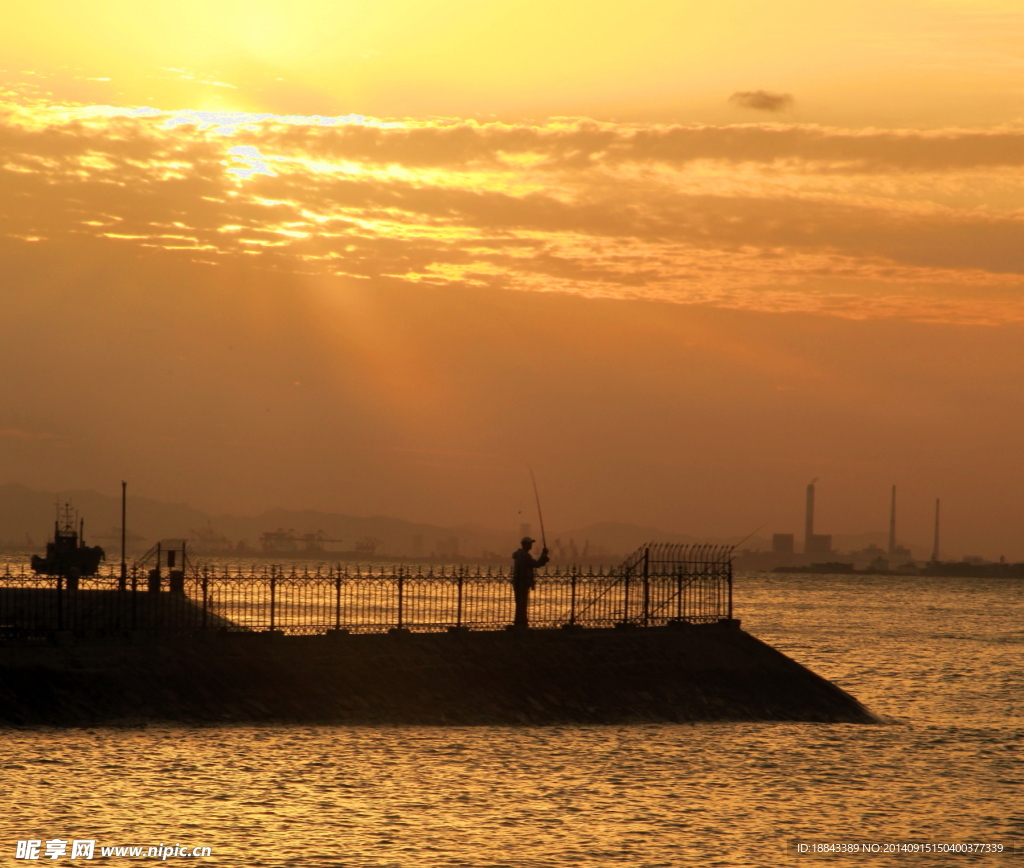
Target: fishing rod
749, 535
540, 515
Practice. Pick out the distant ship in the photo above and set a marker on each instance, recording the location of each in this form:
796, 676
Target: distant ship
67, 554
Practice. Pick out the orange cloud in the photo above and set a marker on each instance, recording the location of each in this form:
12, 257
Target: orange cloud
770, 217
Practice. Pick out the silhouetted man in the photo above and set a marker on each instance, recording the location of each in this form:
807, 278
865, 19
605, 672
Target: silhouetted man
522, 578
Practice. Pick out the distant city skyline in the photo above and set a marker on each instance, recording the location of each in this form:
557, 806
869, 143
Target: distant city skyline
27, 512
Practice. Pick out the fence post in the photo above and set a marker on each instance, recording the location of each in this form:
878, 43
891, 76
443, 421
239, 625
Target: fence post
729, 576
458, 608
679, 593
625, 595
273, 597
206, 579
401, 586
60, 602
647, 587
337, 600
572, 596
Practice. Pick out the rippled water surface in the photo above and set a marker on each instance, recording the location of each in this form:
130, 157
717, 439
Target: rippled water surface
940, 658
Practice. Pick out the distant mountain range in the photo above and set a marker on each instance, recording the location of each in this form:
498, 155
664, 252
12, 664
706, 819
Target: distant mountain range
27, 517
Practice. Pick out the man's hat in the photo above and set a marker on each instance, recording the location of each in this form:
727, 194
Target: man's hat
527, 539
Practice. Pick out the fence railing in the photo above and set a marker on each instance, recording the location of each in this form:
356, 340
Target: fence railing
357, 599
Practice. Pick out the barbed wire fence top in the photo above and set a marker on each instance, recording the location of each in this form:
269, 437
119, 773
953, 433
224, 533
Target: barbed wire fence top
657, 585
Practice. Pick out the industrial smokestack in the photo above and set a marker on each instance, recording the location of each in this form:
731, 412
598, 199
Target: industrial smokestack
935, 546
892, 524
809, 525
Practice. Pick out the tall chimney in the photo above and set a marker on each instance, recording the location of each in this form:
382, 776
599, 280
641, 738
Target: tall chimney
892, 524
809, 525
935, 546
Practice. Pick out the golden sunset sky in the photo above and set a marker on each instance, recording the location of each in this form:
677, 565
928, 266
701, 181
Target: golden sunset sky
376, 258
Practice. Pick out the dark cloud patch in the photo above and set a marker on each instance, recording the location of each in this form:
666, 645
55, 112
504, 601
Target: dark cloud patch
762, 100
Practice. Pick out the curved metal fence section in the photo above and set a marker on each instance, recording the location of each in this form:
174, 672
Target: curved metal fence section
665, 582
658, 584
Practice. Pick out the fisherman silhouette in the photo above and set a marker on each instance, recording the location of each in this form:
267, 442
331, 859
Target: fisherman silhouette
522, 578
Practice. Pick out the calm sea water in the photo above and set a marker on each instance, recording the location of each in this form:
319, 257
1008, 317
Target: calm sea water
941, 659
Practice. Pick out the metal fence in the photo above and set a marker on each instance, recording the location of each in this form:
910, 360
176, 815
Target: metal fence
653, 587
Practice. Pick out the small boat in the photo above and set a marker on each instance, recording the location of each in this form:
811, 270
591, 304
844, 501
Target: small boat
67, 554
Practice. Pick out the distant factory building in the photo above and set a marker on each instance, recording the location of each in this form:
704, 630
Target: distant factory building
897, 552
818, 544
814, 543
783, 543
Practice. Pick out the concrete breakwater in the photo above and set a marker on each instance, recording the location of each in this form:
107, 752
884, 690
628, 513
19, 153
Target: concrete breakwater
502, 677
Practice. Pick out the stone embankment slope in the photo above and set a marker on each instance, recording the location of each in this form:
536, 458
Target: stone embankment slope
713, 673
